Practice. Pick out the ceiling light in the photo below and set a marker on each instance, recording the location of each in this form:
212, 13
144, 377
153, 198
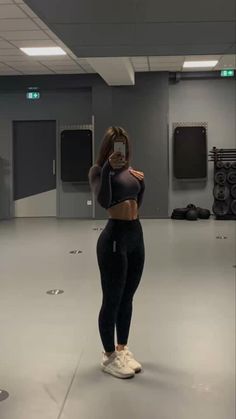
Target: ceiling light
43, 51
192, 64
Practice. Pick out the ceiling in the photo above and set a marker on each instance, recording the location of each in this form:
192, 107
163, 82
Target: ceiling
115, 39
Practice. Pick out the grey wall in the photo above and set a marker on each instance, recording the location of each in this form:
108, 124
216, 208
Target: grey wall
143, 111
211, 101
66, 107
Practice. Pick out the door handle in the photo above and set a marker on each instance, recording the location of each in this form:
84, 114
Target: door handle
54, 167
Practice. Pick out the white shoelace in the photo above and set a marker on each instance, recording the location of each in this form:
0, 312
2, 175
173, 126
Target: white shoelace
120, 357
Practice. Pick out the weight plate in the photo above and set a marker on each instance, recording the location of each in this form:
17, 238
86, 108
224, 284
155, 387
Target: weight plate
227, 165
191, 206
180, 211
234, 165
231, 176
233, 206
220, 208
233, 191
219, 165
220, 178
221, 192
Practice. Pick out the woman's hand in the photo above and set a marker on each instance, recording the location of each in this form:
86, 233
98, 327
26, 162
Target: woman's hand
117, 160
139, 175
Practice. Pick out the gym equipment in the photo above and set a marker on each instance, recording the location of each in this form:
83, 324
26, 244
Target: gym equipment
220, 178
221, 193
179, 213
220, 208
231, 176
233, 191
219, 164
224, 182
233, 206
191, 206
203, 213
191, 215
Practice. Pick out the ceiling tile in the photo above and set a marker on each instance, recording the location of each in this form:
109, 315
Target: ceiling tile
19, 58
201, 57
52, 61
23, 35
75, 71
140, 65
5, 45
166, 67
226, 61
17, 24
35, 43
141, 69
12, 52
40, 23
11, 11
26, 9
31, 72
167, 59
51, 34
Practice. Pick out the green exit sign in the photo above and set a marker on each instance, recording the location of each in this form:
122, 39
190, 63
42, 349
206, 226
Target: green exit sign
33, 95
227, 73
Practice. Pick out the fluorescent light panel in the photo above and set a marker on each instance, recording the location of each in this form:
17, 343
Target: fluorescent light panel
43, 51
197, 64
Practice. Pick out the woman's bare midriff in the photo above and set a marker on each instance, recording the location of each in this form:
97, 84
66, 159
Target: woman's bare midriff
126, 210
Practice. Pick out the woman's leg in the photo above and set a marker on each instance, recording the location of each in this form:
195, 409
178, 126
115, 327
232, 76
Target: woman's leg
112, 261
134, 272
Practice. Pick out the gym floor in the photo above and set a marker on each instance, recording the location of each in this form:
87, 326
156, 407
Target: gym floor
182, 331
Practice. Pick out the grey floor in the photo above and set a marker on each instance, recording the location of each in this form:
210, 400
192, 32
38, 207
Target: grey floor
183, 326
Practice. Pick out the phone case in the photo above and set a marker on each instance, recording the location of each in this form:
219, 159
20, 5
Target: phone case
119, 146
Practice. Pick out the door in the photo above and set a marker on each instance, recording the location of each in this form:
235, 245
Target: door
34, 156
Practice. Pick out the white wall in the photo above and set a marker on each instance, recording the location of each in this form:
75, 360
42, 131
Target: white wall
212, 101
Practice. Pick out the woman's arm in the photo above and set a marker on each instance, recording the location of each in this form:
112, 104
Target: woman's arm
100, 183
140, 194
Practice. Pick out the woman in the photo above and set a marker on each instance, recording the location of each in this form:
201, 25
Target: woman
120, 249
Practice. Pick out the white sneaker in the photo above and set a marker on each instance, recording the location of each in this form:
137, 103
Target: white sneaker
116, 364
131, 362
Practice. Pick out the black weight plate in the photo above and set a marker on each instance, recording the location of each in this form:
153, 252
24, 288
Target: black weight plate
178, 217
227, 165
233, 191
203, 213
231, 176
233, 206
191, 206
220, 208
234, 165
180, 211
219, 165
221, 192
191, 214
220, 178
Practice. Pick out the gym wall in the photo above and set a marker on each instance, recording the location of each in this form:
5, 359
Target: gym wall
212, 101
143, 110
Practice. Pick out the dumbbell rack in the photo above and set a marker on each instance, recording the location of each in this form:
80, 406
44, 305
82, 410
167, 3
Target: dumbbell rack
224, 191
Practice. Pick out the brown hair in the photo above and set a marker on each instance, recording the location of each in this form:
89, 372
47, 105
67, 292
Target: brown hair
106, 147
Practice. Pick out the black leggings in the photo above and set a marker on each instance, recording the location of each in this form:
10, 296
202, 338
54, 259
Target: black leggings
120, 254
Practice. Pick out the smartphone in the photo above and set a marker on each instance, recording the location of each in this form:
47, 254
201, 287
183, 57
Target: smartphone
120, 146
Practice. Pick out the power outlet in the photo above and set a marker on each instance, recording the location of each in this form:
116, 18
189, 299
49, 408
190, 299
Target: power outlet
89, 202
